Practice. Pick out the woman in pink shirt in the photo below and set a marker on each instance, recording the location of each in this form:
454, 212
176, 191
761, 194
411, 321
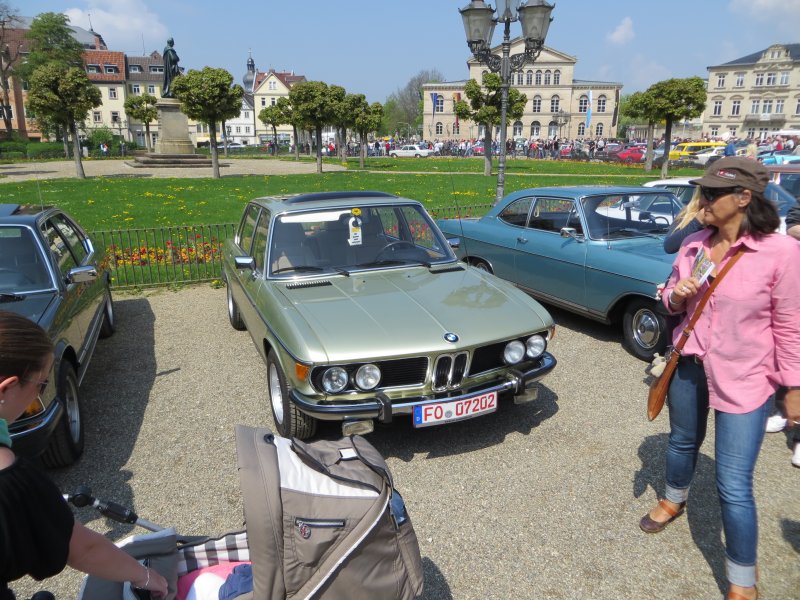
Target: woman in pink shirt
745, 344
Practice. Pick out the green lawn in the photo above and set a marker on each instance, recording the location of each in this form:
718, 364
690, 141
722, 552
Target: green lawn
108, 203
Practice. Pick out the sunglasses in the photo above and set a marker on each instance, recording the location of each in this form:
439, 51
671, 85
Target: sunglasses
711, 195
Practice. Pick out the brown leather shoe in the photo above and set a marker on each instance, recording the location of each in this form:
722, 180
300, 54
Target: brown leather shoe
648, 525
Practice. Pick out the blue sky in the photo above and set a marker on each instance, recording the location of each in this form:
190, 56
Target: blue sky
375, 46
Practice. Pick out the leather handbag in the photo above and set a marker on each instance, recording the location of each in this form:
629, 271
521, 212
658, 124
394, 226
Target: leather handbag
659, 387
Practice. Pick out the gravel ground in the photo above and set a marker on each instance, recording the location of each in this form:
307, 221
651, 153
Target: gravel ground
536, 501
107, 168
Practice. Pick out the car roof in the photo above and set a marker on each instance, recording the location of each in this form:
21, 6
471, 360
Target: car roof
585, 190
683, 181
784, 168
21, 213
317, 200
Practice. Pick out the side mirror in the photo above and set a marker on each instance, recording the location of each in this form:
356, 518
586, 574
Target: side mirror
82, 274
645, 215
244, 262
454, 242
570, 232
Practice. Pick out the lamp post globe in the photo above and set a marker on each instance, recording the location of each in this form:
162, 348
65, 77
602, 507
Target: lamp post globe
479, 23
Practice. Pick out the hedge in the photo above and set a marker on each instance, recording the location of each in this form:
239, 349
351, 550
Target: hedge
45, 150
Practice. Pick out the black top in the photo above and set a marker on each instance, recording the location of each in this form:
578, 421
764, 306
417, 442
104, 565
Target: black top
675, 237
35, 525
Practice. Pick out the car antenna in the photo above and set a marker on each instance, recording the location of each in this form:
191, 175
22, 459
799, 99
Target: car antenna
460, 223
39, 191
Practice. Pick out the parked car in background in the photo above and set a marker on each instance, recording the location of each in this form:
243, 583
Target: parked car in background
51, 272
685, 150
703, 157
609, 151
411, 150
684, 190
573, 247
633, 154
787, 176
362, 312
777, 157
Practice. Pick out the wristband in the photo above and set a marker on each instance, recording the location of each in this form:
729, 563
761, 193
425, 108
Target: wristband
147, 582
671, 301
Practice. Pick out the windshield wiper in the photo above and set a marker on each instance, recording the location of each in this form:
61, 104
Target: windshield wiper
299, 268
395, 261
11, 297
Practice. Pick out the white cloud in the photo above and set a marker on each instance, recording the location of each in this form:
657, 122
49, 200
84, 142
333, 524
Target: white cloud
623, 33
781, 15
125, 25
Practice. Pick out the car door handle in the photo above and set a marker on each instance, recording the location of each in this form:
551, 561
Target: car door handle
522, 240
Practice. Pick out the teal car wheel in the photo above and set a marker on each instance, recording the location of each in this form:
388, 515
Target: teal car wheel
289, 421
645, 330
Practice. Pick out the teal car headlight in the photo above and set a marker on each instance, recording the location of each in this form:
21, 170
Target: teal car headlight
368, 376
334, 380
513, 352
535, 346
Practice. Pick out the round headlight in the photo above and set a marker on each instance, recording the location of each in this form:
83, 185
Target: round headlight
513, 352
535, 345
334, 380
368, 376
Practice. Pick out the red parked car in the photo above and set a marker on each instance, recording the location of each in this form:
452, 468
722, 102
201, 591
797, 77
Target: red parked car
634, 154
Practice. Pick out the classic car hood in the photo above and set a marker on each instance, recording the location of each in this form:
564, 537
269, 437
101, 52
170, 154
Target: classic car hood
408, 311
650, 248
32, 306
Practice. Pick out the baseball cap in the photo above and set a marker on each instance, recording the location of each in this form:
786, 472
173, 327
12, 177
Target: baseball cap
735, 171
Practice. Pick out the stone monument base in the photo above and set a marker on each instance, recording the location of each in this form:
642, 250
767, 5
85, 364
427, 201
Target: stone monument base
173, 129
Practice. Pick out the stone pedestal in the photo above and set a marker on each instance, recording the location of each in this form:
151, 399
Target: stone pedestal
173, 129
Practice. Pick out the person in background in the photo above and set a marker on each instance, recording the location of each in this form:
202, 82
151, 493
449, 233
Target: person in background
758, 301
38, 533
730, 148
751, 151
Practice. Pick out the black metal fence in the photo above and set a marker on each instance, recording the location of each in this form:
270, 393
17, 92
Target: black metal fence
159, 256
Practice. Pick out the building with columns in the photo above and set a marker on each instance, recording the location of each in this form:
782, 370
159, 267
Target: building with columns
558, 104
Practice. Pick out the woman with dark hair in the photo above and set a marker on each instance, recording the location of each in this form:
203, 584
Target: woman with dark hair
745, 344
38, 534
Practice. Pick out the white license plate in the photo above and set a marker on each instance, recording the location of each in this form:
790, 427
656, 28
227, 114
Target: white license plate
444, 412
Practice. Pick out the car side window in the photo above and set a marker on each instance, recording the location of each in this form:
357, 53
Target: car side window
259, 251
516, 213
59, 248
74, 238
247, 228
551, 214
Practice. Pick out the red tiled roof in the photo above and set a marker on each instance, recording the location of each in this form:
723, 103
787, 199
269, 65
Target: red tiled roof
103, 58
287, 78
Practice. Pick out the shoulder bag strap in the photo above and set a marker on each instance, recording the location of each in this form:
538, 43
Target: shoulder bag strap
704, 300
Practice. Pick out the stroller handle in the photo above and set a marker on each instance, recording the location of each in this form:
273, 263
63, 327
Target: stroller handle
83, 497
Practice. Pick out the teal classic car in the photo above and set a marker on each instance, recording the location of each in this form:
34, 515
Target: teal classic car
362, 312
593, 250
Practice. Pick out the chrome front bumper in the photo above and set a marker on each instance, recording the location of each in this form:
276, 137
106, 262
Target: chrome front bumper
382, 408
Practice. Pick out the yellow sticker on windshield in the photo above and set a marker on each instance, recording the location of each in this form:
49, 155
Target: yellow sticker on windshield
356, 212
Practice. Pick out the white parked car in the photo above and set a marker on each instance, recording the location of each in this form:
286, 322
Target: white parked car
410, 150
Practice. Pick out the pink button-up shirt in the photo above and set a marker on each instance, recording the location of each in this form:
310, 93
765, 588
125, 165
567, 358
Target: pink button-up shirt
748, 335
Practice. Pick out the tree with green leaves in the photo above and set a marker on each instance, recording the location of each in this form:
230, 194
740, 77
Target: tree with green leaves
10, 54
484, 109
673, 100
291, 118
50, 40
639, 107
345, 113
368, 119
142, 108
63, 95
273, 116
209, 96
314, 105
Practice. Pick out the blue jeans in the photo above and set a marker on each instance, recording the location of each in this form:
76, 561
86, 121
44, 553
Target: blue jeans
737, 444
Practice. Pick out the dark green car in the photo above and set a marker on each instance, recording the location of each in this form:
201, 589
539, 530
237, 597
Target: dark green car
51, 272
362, 312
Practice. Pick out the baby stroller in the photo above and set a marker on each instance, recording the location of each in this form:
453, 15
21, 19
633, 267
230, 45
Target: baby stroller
322, 519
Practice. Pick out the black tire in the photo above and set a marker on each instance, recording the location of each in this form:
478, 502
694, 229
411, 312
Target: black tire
67, 442
289, 420
393, 155
234, 316
109, 325
481, 265
645, 329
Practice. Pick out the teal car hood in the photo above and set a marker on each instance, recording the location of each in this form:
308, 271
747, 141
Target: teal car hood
652, 249
406, 312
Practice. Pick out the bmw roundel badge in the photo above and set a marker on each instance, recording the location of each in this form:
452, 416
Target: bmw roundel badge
450, 337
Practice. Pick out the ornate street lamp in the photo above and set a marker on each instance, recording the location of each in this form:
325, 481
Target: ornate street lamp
479, 23
562, 118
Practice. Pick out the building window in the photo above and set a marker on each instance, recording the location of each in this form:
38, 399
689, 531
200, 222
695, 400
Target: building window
112, 93
736, 107
273, 101
733, 131
151, 89
784, 77
538, 78
759, 79
714, 131
456, 128
779, 106
114, 116
154, 137
439, 128
766, 107
439, 107
199, 128
583, 104
770, 78
751, 132
517, 131
247, 129
135, 89
547, 76
273, 85
529, 78
739, 80
135, 68
92, 68
601, 104
238, 129
581, 129
797, 108
762, 133
721, 80
519, 78
537, 104
263, 101
717, 108
599, 129
156, 68
556, 77
554, 104
97, 117
247, 114
756, 104
111, 69
228, 129
535, 129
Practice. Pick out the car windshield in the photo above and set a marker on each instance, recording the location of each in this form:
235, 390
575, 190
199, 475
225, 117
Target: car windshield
640, 214
353, 238
783, 199
22, 267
